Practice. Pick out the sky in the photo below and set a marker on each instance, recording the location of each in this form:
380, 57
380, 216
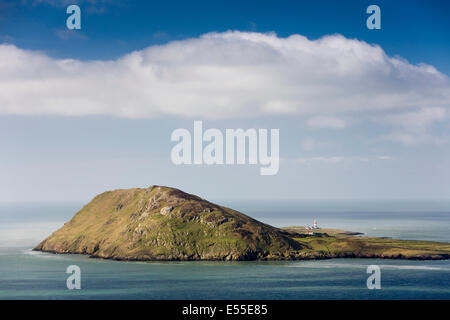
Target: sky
362, 114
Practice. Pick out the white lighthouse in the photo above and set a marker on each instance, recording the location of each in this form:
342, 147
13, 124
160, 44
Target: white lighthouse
315, 225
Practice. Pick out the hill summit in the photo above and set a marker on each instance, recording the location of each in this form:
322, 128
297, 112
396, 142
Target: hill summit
163, 223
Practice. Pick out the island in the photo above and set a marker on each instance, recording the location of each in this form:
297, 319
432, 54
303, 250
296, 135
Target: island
166, 224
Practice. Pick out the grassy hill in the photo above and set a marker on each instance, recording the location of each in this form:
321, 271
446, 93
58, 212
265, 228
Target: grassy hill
162, 223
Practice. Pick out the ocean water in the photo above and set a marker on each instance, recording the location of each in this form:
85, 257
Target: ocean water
25, 274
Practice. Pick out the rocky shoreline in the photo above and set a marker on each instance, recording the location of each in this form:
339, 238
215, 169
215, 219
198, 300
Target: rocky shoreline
287, 258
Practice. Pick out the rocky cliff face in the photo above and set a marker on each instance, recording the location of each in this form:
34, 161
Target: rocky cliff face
162, 223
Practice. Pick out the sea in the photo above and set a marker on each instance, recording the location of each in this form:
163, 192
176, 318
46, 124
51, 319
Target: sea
27, 274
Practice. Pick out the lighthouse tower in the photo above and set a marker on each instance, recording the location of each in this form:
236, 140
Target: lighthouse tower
315, 225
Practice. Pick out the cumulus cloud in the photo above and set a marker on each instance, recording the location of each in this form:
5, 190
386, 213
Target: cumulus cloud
220, 75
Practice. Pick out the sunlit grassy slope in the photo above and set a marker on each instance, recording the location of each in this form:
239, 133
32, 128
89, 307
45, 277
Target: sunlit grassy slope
339, 243
162, 223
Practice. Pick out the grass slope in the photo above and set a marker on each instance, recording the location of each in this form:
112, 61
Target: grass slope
162, 223
332, 243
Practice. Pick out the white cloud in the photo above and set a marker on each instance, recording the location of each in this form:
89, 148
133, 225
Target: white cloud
222, 75
326, 122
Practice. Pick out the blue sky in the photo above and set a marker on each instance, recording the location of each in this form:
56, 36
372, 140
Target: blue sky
373, 125
416, 30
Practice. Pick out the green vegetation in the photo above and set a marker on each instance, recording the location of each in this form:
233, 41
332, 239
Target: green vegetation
338, 243
162, 223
